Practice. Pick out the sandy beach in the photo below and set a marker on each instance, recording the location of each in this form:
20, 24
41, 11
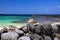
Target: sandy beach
2, 25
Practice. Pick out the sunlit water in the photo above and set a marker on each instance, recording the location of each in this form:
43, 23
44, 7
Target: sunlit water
5, 21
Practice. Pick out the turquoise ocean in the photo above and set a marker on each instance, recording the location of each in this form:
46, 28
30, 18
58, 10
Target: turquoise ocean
19, 21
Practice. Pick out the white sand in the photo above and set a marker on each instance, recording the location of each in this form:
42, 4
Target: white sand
2, 25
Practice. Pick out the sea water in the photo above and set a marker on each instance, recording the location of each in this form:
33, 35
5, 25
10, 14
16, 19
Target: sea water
5, 21
19, 21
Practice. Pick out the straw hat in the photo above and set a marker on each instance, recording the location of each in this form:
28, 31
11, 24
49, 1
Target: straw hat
31, 21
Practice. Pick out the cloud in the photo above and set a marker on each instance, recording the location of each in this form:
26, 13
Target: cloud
58, 6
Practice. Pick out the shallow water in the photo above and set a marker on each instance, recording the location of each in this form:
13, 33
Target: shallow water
5, 21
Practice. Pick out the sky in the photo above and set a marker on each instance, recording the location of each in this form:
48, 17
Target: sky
29, 6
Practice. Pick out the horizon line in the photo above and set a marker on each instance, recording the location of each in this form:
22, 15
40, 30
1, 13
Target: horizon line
29, 14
